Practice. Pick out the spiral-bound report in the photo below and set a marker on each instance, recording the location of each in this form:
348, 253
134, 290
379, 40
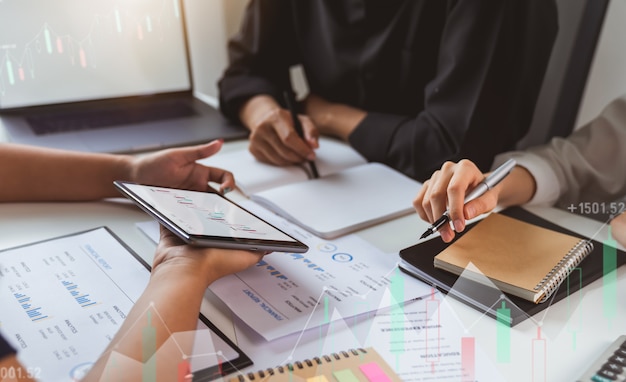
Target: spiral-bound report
523, 259
352, 365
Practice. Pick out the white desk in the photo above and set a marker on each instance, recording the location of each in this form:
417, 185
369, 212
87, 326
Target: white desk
573, 339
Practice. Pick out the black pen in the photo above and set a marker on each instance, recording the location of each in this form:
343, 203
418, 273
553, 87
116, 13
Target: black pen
487, 184
291, 105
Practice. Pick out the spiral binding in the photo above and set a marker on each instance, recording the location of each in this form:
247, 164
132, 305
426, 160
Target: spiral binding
562, 269
290, 367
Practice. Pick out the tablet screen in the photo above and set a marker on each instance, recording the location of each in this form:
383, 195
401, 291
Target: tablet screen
204, 214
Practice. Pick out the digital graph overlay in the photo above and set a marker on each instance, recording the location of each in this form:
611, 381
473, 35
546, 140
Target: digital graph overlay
433, 335
149, 347
397, 314
320, 315
398, 326
539, 344
61, 48
609, 278
468, 358
539, 348
177, 348
503, 333
536, 347
574, 324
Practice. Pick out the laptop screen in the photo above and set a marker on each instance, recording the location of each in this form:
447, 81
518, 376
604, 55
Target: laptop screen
81, 50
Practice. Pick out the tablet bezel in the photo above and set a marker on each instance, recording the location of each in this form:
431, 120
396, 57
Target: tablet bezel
212, 241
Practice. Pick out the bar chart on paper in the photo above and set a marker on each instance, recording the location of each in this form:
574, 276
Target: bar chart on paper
53, 311
81, 298
34, 312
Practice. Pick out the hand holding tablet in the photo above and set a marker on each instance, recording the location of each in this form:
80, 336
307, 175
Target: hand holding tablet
209, 219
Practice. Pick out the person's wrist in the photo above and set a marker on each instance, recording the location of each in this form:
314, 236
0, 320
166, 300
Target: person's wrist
516, 189
339, 120
257, 109
194, 264
180, 273
323, 118
129, 166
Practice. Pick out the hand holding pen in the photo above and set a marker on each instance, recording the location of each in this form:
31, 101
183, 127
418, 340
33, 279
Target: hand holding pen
291, 105
448, 188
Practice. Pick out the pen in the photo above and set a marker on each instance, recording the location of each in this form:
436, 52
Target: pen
291, 105
487, 184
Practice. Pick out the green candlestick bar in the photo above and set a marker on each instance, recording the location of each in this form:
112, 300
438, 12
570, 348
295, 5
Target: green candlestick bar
609, 279
503, 333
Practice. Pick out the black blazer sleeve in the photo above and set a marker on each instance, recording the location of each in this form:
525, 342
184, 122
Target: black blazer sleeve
259, 56
477, 100
491, 64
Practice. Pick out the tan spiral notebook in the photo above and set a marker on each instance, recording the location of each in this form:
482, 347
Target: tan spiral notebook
364, 365
519, 258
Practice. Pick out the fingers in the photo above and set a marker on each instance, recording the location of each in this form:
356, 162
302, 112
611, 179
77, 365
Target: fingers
258, 256
205, 263
430, 203
276, 141
225, 178
191, 154
206, 150
618, 228
420, 205
164, 233
446, 190
311, 133
184, 172
167, 238
431, 200
481, 205
290, 140
438, 195
463, 176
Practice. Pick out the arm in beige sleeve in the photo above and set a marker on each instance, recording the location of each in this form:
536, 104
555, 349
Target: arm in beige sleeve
586, 166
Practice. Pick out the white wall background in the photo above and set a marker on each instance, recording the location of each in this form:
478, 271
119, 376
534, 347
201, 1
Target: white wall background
210, 23
607, 77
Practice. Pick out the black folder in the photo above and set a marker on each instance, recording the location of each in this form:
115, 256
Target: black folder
417, 261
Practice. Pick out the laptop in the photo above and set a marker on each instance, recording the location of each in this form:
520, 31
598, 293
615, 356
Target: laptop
101, 76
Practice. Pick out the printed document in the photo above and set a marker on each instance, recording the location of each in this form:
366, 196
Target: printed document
64, 299
287, 293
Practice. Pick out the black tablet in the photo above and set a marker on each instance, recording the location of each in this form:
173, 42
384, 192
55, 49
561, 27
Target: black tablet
209, 219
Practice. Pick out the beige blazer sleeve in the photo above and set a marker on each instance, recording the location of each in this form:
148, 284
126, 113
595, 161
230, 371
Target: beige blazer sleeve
587, 166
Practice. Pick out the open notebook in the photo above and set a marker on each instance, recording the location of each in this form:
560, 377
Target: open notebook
350, 193
253, 176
